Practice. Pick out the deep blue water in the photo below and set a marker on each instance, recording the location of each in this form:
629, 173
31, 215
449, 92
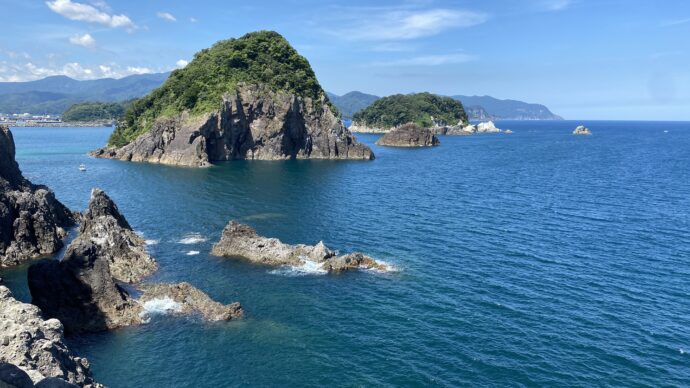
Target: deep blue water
537, 258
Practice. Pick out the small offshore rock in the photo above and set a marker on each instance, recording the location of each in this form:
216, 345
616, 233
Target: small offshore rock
242, 241
409, 135
582, 130
191, 301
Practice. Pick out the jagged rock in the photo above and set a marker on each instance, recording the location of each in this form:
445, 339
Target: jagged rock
253, 123
363, 128
32, 221
103, 224
582, 130
36, 345
190, 300
409, 135
239, 240
460, 129
487, 127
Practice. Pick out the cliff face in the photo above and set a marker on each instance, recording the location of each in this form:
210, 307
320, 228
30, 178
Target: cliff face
32, 221
254, 123
36, 345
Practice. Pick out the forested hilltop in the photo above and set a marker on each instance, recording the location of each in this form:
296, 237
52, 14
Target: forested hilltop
423, 109
96, 111
263, 57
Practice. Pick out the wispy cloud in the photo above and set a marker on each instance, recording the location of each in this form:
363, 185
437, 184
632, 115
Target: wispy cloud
167, 16
429, 60
675, 22
181, 63
85, 40
193, 19
403, 23
555, 5
90, 13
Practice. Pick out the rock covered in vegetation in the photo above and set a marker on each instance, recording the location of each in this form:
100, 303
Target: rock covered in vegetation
186, 299
582, 130
242, 241
409, 135
36, 346
424, 109
32, 221
248, 98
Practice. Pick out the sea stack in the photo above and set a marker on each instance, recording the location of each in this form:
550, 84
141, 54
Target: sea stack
249, 98
32, 222
582, 130
242, 241
84, 291
409, 135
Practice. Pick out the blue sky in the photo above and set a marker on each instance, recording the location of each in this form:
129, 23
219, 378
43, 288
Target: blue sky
584, 59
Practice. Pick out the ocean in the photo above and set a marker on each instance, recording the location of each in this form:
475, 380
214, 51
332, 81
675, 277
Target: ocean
531, 259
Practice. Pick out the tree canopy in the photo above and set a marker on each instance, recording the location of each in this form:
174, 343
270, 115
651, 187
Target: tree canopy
423, 109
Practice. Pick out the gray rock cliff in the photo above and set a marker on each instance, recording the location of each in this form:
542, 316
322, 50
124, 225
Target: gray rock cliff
32, 221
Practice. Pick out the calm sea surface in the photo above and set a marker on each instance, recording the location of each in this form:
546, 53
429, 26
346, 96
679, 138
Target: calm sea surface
537, 258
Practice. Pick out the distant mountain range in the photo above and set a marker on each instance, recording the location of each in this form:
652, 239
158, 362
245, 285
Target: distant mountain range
54, 95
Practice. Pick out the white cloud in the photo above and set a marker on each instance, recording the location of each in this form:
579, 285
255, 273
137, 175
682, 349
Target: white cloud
429, 60
18, 72
181, 63
89, 13
389, 24
193, 20
85, 40
166, 16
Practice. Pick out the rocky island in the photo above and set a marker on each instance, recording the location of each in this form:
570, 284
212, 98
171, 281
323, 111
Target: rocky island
582, 130
249, 98
32, 222
242, 241
409, 135
82, 290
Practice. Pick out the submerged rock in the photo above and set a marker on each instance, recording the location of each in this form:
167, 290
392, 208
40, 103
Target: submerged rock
409, 135
189, 300
32, 221
239, 240
36, 346
581, 130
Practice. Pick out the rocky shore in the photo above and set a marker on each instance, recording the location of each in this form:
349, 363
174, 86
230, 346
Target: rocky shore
242, 241
409, 135
460, 129
32, 222
37, 347
253, 123
83, 291
582, 130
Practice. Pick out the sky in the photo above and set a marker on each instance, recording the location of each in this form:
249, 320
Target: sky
584, 59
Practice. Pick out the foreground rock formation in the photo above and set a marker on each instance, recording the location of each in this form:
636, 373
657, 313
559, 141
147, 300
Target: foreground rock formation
36, 346
32, 221
409, 135
582, 130
239, 240
82, 289
249, 98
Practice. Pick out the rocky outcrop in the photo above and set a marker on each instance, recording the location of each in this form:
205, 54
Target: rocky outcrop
582, 130
83, 290
183, 298
356, 127
32, 221
125, 251
36, 346
242, 241
409, 135
487, 127
253, 123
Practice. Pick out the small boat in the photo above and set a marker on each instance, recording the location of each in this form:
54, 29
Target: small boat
82, 167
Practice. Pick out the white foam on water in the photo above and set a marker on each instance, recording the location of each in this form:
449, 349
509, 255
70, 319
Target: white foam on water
682, 351
193, 253
192, 238
159, 306
388, 267
309, 267
151, 242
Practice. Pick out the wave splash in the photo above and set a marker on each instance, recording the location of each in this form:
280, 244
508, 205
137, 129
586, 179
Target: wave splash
159, 306
192, 238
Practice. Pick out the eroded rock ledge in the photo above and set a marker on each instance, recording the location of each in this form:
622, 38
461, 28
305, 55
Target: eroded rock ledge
83, 291
36, 345
252, 123
32, 221
239, 240
409, 135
